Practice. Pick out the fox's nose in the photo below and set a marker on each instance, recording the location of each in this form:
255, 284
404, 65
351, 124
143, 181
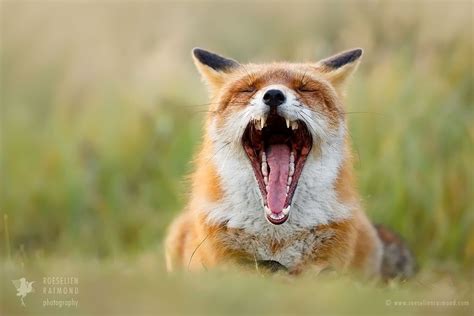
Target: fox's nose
274, 97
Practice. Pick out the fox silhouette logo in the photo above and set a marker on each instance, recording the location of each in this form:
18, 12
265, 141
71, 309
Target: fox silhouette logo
23, 287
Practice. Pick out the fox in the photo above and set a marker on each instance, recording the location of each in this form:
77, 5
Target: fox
273, 183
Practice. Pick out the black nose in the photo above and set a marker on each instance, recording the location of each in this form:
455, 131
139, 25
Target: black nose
274, 97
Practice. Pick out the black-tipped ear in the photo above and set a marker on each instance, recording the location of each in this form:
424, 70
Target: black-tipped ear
214, 61
339, 67
214, 69
342, 59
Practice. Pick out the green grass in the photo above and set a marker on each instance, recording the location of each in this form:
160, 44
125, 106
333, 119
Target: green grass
139, 286
101, 111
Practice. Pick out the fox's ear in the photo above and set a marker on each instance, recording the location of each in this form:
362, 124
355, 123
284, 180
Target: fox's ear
339, 67
213, 68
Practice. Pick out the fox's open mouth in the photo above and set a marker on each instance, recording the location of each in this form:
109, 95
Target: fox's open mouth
277, 149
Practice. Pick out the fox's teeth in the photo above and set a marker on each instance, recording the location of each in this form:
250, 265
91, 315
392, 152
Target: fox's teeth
265, 179
262, 122
264, 168
292, 169
294, 125
277, 216
292, 157
264, 156
287, 188
289, 180
287, 123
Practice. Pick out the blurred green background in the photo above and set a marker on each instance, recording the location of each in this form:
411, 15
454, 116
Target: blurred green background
102, 109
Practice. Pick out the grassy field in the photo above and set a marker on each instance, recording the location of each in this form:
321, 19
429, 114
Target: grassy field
102, 109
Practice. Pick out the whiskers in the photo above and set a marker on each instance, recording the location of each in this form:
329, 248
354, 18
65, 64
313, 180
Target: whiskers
320, 133
211, 108
219, 229
312, 123
196, 249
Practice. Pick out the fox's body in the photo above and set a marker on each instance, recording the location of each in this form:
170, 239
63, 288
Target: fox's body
266, 192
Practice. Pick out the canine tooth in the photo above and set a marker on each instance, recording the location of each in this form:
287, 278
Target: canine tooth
289, 180
265, 179
286, 210
292, 169
294, 125
287, 123
264, 156
263, 121
287, 188
292, 157
257, 125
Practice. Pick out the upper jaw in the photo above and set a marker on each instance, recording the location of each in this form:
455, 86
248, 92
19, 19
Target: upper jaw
261, 122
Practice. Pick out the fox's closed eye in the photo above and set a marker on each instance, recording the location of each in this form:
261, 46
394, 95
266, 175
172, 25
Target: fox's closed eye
248, 89
306, 88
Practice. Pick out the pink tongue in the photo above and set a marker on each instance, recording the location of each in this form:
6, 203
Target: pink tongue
278, 158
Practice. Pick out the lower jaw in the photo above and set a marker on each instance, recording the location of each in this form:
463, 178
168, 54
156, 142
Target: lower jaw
277, 218
274, 221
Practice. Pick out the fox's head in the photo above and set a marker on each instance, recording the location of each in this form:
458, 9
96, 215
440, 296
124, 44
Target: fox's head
277, 133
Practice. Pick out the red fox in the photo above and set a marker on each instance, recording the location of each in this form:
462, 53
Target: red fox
274, 182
